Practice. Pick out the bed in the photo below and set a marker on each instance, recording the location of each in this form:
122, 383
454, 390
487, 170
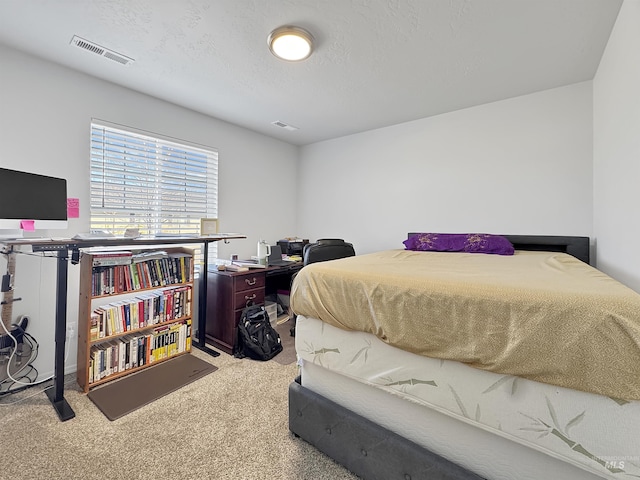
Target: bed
387, 407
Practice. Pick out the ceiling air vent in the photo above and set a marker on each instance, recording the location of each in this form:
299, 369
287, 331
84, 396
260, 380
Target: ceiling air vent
98, 50
280, 124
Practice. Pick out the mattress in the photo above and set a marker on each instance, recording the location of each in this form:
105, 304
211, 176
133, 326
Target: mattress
499, 426
544, 316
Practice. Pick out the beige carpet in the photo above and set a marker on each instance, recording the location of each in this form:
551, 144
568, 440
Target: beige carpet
288, 353
231, 424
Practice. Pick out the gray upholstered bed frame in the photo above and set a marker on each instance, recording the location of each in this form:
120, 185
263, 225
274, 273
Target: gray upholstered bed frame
362, 446
371, 451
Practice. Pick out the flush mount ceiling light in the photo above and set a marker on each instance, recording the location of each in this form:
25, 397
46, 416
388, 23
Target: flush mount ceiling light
290, 43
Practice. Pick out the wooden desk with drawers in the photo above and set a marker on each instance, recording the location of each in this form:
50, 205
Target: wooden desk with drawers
228, 293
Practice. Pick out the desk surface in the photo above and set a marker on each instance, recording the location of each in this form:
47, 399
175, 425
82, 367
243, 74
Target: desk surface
119, 241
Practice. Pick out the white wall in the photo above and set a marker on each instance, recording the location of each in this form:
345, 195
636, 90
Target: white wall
45, 118
519, 166
616, 147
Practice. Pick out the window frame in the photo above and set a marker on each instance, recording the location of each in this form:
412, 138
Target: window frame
148, 181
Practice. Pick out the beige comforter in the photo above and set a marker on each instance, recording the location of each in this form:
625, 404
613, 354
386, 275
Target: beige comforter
545, 316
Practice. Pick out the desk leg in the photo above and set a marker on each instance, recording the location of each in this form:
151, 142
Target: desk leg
202, 305
56, 393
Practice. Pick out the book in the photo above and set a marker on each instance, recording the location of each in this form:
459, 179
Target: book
95, 327
111, 258
150, 255
101, 322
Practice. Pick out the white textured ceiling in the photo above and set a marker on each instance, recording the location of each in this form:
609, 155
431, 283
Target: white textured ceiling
376, 62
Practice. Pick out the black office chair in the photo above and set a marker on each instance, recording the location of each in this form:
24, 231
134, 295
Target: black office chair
322, 250
326, 249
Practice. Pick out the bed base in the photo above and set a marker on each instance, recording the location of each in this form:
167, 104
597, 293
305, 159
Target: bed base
363, 447
373, 452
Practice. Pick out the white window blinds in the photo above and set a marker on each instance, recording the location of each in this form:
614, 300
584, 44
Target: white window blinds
150, 183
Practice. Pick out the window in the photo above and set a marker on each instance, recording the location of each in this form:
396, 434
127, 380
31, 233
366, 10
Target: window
155, 184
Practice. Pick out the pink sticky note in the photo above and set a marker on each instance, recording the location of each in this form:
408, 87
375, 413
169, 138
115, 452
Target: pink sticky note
28, 225
73, 207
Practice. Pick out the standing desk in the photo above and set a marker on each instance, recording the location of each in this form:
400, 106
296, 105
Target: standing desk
65, 245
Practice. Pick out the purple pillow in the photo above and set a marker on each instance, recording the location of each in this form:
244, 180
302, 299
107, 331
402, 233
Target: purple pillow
459, 242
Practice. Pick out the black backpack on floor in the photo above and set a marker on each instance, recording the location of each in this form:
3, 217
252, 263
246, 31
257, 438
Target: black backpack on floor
257, 339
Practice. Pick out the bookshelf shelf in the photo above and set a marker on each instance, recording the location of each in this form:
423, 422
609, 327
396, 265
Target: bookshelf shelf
135, 311
140, 330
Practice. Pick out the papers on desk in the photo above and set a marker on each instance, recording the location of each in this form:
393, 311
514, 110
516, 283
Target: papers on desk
94, 235
175, 235
232, 267
248, 264
239, 266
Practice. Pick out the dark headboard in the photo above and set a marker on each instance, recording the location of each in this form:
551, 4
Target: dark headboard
576, 246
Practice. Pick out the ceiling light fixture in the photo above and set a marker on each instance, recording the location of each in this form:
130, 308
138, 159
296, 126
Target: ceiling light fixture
290, 43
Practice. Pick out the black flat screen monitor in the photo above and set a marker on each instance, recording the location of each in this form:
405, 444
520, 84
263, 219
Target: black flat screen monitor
29, 196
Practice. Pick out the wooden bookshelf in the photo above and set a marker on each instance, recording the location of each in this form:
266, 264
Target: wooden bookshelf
135, 311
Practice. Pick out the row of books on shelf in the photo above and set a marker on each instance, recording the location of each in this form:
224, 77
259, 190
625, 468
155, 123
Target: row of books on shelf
148, 270
133, 351
149, 308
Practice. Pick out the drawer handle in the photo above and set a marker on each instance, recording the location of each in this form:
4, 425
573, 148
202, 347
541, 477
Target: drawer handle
249, 300
251, 282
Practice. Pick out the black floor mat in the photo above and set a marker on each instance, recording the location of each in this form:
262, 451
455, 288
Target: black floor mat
129, 393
